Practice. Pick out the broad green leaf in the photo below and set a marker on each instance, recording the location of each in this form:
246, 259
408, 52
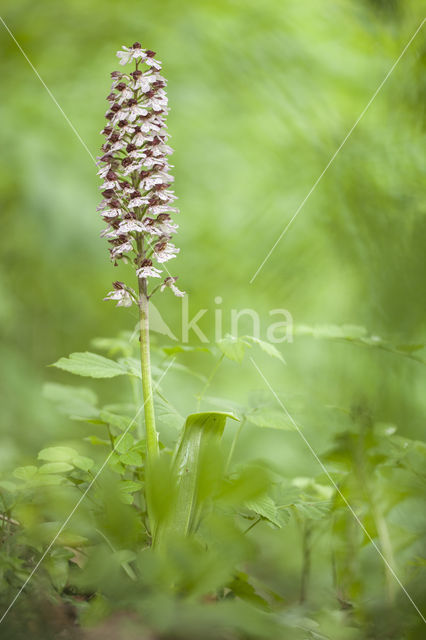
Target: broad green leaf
200, 429
270, 418
233, 348
91, 365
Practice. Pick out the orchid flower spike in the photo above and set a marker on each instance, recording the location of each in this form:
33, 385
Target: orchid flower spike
134, 169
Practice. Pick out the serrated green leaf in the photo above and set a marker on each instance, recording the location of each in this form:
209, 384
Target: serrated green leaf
123, 443
233, 348
130, 486
267, 347
131, 458
265, 507
90, 365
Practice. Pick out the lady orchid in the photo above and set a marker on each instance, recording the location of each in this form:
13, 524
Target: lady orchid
137, 198
137, 203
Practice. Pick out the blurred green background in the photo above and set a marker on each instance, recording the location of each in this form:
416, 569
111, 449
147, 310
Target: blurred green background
262, 94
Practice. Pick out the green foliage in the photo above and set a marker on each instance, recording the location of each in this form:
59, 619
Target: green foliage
92, 365
262, 95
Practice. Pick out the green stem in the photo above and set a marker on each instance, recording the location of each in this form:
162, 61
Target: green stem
306, 561
151, 433
233, 445
387, 550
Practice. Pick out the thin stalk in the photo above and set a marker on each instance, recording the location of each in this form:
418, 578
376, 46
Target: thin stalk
387, 550
379, 521
306, 562
233, 445
151, 433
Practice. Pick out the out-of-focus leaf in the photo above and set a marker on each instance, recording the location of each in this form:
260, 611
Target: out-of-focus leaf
91, 365
83, 463
267, 347
114, 419
167, 413
132, 366
233, 348
95, 440
183, 348
247, 485
75, 402
115, 345
55, 467
25, 473
200, 429
265, 507
242, 588
124, 443
270, 418
131, 458
58, 454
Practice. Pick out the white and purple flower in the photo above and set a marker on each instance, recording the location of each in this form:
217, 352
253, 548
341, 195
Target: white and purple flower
134, 169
